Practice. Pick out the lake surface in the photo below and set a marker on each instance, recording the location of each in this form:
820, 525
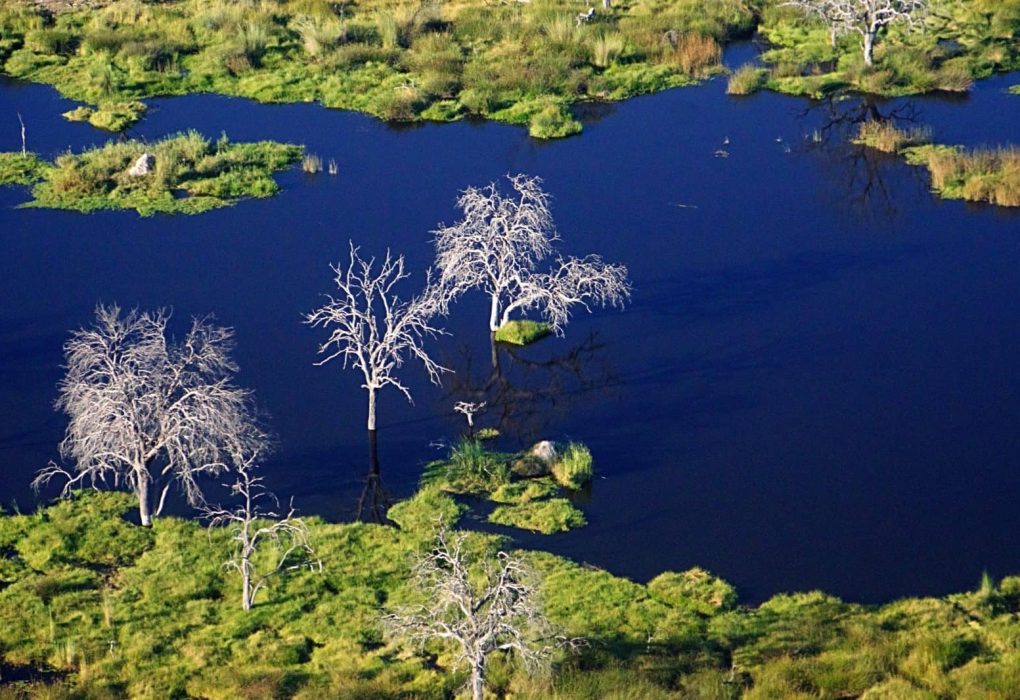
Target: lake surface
817, 384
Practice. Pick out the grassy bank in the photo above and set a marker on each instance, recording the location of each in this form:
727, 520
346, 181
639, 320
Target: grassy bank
188, 174
958, 43
982, 175
523, 63
121, 611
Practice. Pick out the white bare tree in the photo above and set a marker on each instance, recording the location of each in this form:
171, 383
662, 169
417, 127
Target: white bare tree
372, 329
253, 527
148, 412
498, 246
498, 612
865, 17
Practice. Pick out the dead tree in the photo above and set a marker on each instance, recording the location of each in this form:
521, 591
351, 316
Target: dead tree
499, 612
253, 527
373, 330
498, 246
865, 17
147, 411
24, 147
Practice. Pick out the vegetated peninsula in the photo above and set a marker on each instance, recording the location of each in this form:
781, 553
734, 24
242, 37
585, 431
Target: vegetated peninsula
102, 608
518, 61
180, 174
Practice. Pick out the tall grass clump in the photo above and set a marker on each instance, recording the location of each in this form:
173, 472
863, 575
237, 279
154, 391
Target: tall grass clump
696, 54
983, 175
574, 467
470, 468
606, 48
884, 136
746, 80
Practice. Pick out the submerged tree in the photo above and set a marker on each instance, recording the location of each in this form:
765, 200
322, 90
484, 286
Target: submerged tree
865, 17
147, 411
372, 329
253, 527
498, 246
497, 611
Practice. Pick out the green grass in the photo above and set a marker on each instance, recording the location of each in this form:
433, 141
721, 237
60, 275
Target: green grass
544, 516
122, 611
524, 63
21, 169
191, 175
109, 116
522, 332
960, 42
573, 469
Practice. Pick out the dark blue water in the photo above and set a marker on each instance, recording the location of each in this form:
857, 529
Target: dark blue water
816, 385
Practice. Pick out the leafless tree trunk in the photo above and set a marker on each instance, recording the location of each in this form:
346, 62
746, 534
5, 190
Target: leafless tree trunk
499, 614
147, 411
24, 149
498, 246
373, 330
253, 527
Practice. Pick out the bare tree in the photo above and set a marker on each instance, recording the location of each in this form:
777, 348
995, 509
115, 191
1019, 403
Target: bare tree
145, 410
253, 527
499, 613
498, 246
24, 149
372, 329
865, 17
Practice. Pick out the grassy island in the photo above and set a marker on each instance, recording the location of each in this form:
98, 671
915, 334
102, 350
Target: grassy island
97, 607
518, 62
182, 174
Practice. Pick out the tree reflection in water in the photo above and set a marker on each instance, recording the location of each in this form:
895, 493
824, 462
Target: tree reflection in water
859, 176
524, 391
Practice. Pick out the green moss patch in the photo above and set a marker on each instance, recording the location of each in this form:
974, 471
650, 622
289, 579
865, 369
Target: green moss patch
187, 174
109, 116
522, 332
544, 516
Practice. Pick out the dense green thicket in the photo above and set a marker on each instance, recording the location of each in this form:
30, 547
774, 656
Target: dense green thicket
523, 63
189, 175
124, 611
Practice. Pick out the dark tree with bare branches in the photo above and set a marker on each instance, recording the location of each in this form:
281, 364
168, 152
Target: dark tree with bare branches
499, 245
146, 411
498, 611
372, 329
